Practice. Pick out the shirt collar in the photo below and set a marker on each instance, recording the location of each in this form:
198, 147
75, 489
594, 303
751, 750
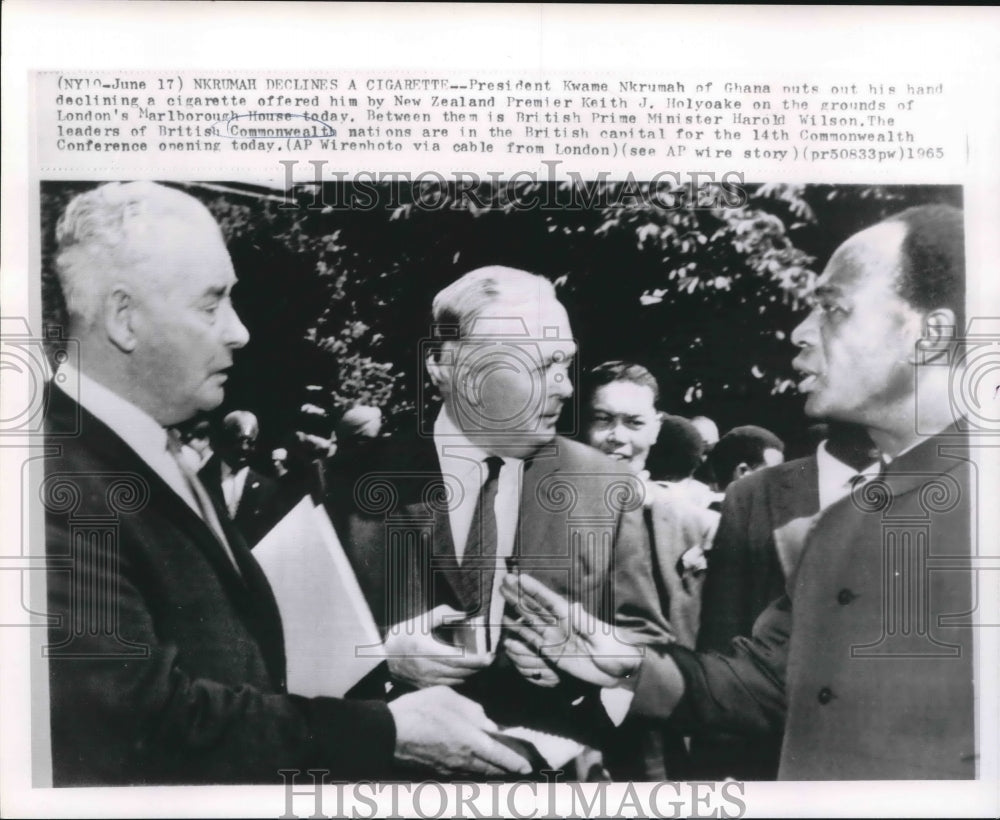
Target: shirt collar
451, 442
835, 472
135, 427
227, 472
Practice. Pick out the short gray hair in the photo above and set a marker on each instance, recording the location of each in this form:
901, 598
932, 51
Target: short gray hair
456, 308
101, 236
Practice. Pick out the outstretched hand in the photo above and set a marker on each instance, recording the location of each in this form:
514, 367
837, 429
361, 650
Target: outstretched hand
566, 635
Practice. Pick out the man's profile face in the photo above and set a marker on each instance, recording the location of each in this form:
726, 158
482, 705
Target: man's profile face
623, 422
510, 375
858, 342
183, 320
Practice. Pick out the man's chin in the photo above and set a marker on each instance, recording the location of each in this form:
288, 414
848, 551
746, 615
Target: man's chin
816, 407
211, 397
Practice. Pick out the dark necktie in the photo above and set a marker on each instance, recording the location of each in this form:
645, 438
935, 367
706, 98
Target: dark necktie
475, 575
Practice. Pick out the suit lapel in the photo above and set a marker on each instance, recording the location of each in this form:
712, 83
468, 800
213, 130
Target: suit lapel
533, 521
426, 500
175, 509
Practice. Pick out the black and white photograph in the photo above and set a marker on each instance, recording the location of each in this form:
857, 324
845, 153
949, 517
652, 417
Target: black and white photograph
548, 410
680, 421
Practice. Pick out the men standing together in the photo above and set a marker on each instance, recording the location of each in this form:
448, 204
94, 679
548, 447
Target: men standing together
166, 658
509, 570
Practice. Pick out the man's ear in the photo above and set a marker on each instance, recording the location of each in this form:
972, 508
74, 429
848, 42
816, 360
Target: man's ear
436, 369
741, 470
938, 332
118, 318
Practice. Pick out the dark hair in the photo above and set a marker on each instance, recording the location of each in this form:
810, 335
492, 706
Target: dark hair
933, 251
678, 450
742, 445
617, 371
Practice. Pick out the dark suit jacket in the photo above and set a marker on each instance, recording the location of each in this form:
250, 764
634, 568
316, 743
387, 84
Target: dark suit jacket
165, 665
868, 662
744, 576
744, 572
580, 531
262, 505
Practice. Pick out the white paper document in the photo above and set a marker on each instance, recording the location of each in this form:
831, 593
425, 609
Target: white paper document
331, 640
555, 750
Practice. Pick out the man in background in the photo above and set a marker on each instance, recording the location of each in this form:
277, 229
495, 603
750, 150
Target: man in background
253, 502
744, 450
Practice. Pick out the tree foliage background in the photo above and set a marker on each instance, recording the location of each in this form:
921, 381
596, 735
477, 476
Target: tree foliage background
336, 284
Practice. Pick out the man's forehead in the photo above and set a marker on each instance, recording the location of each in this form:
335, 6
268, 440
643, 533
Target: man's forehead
530, 319
241, 427
867, 258
194, 260
628, 395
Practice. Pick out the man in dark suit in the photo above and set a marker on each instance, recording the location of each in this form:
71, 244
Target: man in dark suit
254, 502
874, 677
166, 659
433, 523
744, 450
747, 570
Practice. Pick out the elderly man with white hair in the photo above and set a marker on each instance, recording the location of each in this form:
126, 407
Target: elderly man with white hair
166, 654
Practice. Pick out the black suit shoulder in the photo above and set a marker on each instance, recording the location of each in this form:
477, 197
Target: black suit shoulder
174, 672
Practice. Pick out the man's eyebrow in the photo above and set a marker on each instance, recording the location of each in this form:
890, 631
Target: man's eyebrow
826, 290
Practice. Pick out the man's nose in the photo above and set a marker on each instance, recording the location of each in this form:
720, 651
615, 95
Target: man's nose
236, 334
560, 385
806, 332
617, 433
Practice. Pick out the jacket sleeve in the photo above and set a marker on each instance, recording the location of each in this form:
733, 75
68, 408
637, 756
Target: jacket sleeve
741, 690
125, 710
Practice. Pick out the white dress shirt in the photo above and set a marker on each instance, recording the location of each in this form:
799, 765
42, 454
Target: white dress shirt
464, 471
135, 427
835, 477
232, 486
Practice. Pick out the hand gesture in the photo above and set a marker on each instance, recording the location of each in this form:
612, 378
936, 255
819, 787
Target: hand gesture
416, 656
551, 626
528, 662
439, 729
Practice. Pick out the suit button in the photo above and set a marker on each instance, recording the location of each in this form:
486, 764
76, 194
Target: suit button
845, 596
825, 696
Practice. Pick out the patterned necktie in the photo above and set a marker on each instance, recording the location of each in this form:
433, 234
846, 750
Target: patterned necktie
205, 505
475, 576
